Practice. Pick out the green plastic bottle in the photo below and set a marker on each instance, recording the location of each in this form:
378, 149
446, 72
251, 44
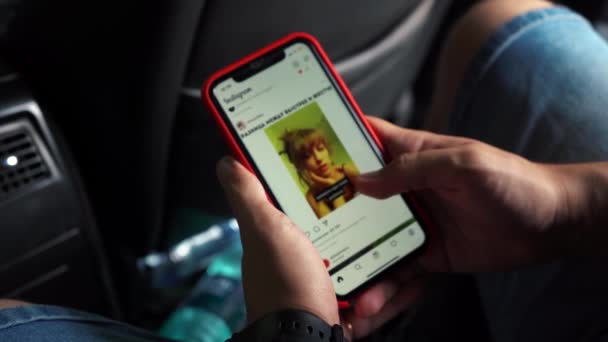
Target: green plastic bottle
216, 307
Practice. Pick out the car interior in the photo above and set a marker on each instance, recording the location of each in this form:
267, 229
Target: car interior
107, 154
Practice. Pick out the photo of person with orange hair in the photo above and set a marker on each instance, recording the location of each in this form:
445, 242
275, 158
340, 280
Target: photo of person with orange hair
316, 158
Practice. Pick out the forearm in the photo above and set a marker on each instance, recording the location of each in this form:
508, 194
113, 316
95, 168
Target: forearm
583, 219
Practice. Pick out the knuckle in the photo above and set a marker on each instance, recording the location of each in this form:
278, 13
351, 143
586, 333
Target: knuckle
404, 160
272, 222
469, 157
279, 221
284, 222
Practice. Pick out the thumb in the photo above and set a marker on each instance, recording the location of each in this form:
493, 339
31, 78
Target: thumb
246, 197
238, 183
431, 169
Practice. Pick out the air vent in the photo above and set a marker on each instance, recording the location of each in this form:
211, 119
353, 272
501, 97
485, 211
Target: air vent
21, 164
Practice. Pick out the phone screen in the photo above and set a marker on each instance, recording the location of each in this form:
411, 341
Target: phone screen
308, 144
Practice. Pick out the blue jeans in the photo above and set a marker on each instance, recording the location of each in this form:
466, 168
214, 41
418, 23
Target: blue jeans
38, 323
538, 88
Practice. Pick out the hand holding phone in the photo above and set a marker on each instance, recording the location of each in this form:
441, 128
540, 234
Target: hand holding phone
496, 210
289, 119
281, 269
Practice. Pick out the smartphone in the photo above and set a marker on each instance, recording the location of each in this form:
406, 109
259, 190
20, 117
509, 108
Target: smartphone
289, 118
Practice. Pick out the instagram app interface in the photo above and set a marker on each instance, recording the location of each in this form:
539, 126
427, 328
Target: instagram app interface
304, 141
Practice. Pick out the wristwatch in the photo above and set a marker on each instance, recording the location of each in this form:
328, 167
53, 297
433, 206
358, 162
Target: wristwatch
292, 326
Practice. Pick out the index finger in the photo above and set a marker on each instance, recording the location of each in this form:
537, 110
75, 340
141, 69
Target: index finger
371, 301
399, 140
403, 299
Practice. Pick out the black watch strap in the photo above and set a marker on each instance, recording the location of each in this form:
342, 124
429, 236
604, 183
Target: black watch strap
290, 325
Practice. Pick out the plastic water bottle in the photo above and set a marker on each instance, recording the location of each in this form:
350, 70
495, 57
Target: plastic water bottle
216, 307
189, 256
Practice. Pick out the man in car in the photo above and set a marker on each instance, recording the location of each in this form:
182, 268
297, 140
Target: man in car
523, 76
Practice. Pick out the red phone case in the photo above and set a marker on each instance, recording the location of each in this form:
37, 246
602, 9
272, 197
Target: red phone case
238, 153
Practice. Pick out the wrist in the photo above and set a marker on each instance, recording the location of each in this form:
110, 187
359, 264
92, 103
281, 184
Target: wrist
582, 216
290, 325
319, 307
